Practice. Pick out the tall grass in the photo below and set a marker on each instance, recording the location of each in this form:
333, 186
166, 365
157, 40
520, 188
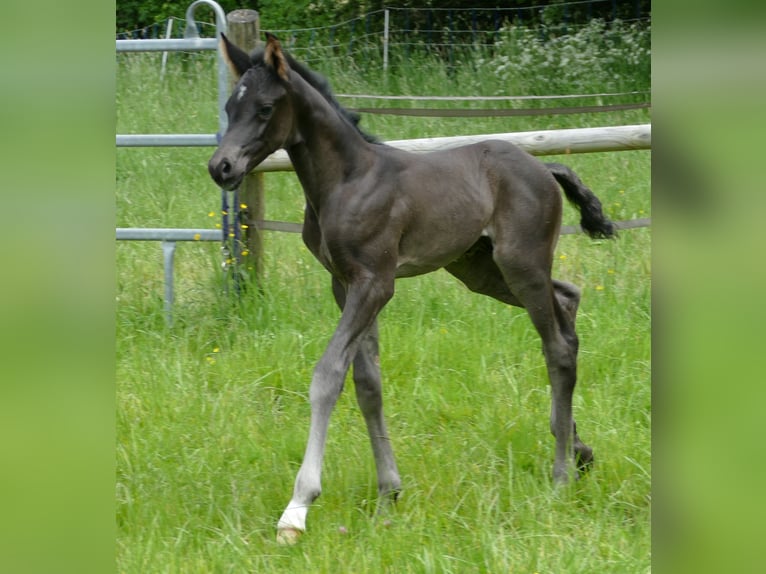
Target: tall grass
213, 411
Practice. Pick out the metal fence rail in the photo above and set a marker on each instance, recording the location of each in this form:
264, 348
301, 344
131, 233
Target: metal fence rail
168, 45
167, 140
169, 237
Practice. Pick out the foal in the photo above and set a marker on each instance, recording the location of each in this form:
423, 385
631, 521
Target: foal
488, 213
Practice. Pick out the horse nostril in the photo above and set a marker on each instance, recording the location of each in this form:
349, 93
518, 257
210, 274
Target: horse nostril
221, 169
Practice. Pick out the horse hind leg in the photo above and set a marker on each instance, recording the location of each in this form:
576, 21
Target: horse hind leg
478, 270
551, 307
568, 297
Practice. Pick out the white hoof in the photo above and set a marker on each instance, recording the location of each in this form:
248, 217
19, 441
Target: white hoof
288, 536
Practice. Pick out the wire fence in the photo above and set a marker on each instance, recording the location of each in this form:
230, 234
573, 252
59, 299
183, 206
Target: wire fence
407, 32
500, 55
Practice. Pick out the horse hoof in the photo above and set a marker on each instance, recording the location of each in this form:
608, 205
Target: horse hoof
288, 536
583, 460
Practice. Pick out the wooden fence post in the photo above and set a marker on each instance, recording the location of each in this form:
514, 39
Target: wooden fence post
244, 31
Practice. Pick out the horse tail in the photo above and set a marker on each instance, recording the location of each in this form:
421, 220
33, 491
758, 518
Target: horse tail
592, 218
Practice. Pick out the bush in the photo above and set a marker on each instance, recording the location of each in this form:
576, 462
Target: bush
598, 57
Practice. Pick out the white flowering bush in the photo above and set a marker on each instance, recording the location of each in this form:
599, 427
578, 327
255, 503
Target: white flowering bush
597, 57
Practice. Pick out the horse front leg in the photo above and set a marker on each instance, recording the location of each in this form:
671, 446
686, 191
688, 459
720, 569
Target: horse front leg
326, 386
369, 397
363, 302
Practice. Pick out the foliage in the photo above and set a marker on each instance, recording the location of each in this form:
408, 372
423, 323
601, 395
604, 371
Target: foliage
598, 57
137, 14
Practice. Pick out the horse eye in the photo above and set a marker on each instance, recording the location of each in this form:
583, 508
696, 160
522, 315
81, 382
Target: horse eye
265, 111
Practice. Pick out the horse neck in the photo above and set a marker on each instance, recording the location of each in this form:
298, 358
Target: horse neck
327, 147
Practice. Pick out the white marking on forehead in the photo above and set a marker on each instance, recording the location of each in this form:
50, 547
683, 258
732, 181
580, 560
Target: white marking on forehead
241, 92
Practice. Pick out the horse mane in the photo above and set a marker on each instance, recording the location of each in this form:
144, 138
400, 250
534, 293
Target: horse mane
321, 85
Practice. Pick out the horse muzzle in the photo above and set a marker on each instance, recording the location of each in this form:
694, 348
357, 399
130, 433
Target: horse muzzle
226, 169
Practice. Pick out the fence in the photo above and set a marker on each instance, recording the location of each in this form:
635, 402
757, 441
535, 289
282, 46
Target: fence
372, 37
538, 143
191, 42
433, 26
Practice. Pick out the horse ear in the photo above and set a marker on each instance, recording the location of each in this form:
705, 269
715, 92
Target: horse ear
275, 57
238, 60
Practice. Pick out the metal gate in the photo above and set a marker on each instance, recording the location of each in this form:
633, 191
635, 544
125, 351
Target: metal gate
192, 42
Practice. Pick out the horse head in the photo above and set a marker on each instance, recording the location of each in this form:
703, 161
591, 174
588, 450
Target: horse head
259, 111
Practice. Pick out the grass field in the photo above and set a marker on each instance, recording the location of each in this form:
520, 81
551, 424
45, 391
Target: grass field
213, 411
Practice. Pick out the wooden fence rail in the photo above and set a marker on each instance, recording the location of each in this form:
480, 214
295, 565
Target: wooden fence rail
545, 142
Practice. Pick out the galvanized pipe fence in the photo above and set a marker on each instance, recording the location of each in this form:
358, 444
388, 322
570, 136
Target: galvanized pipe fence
547, 142
191, 42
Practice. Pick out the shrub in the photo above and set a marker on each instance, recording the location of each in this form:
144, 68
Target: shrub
598, 57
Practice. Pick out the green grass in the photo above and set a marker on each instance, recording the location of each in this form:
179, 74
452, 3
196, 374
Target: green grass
213, 411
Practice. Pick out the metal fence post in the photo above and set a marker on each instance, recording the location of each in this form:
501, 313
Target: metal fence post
385, 40
220, 26
168, 255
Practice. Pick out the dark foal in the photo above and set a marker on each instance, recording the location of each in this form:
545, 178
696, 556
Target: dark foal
488, 213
